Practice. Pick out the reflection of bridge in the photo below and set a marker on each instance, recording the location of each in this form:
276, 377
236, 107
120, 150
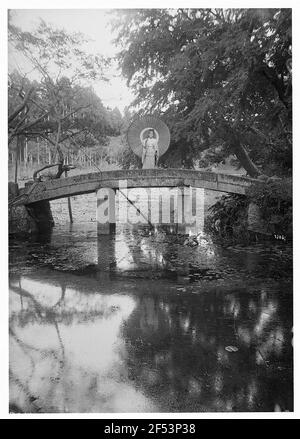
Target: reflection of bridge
87, 183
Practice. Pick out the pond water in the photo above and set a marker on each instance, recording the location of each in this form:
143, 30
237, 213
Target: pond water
139, 322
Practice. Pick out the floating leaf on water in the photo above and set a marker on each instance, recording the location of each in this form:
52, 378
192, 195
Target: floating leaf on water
231, 349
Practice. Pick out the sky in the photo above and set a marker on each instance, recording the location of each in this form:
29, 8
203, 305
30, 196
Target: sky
93, 23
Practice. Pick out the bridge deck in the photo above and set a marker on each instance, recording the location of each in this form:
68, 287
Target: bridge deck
87, 183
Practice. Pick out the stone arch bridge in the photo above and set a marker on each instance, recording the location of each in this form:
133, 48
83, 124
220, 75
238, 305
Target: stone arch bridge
147, 178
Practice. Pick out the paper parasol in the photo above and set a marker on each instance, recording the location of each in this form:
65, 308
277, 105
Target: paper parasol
139, 129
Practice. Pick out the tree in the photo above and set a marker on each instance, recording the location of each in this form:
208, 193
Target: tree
62, 66
126, 157
116, 121
220, 78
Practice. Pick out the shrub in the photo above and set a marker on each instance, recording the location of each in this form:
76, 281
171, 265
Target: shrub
275, 201
229, 216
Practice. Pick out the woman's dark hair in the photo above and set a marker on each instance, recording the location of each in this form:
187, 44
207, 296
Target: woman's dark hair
151, 129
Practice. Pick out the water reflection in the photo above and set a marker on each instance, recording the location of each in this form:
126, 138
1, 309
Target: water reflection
159, 252
139, 322
64, 355
179, 350
144, 347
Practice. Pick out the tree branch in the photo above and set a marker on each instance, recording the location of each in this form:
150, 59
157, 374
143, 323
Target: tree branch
271, 76
21, 107
74, 111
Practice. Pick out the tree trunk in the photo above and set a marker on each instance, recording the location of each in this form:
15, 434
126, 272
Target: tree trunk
231, 136
17, 159
58, 149
69, 205
38, 152
26, 152
243, 156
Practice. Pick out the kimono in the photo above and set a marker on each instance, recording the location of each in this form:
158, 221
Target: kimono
150, 153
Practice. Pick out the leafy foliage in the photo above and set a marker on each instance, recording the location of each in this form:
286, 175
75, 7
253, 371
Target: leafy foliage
84, 119
54, 53
229, 216
126, 157
60, 106
219, 77
275, 201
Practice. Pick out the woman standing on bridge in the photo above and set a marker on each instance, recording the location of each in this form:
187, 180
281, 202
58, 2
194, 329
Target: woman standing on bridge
150, 151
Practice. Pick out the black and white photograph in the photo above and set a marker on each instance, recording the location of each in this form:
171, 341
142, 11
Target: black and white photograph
150, 210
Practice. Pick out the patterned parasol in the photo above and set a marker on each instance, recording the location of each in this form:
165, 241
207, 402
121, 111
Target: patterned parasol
138, 131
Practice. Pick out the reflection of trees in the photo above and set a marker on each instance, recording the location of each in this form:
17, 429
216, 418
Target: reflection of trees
174, 349
138, 252
35, 312
42, 359
79, 310
177, 352
158, 253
